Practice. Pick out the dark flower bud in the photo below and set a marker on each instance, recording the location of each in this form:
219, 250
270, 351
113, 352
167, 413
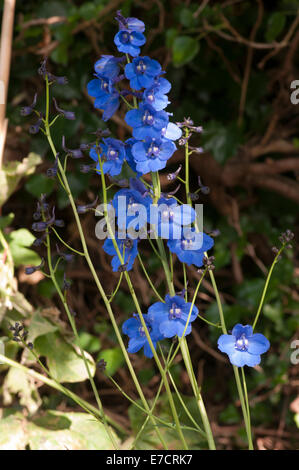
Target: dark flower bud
39, 241
30, 345
214, 233
194, 196
52, 172
42, 69
84, 209
67, 114
59, 80
74, 153
84, 147
34, 128
208, 262
37, 215
196, 149
66, 256
102, 365
275, 250
173, 176
66, 283
32, 269
39, 226
122, 268
101, 133
204, 189
28, 109
59, 223
87, 168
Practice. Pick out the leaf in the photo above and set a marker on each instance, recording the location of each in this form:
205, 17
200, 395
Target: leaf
6, 220
276, 24
18, 241
63, 360
17, 382
12, 172
40, 326
114, 358
12, 432
221, 141
89, 342
230, 415
296, 418
184, 49
68, 431
39, 184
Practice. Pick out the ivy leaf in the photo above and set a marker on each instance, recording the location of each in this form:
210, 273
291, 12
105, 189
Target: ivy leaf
184, 49
276, 24
18, 241
63, 360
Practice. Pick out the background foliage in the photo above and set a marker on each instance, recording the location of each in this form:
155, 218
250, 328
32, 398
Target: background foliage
231, 64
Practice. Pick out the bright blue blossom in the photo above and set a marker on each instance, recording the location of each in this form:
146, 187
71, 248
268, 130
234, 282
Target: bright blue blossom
152, 154
130, 204
130, 24
142, 72
113, 151
243, 347
128, 250
146, 122
156, 94
172, 316
129, 42
129, 156
191, 249
134, 329
170, 217
107, 67
106, 97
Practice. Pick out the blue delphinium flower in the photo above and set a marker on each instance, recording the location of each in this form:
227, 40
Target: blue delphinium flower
243, 347
134, 329
142, 72
190, 250
146, 122
114, 152
129, 156
172, 316
107, 67
106, 96
152, 154
126, 203
129, 42
128, 250
171, 217
129, 24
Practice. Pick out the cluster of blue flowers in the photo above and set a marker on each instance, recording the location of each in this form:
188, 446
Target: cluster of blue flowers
148, 150
163, 320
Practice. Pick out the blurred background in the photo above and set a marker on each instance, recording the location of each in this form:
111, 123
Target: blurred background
231, 64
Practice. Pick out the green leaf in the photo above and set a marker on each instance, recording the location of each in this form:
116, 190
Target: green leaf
39, 184
221, 141
17, 382
12, 172
40, 326
114, 358
63, 360
184, 49
12, 432
186, 18
18, 241
6, 220
73, 431
89, 342
276, 24
230, 415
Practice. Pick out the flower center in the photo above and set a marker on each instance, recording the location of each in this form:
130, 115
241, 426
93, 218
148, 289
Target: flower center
112, 154
148, 118
175, 312
141, 67
186, 243
241, 343
125, 37
142, 330
153, 150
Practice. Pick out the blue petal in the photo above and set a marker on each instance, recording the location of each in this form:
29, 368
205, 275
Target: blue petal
135, 344
258, 344
244, 358
226, 344
169, 328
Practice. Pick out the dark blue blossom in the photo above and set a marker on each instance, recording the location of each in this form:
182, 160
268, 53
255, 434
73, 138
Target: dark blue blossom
107, 67
134, 329
190, 249
113, 151
131, 209
129, 42
172, 316
146, 122
152, 154
243, 347
130, 24
169, 217
156, 94
128, 250
106, 96
142, 72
